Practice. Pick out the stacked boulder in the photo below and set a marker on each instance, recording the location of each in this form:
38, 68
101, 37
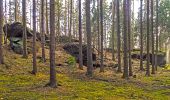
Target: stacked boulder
14, 33
73, 49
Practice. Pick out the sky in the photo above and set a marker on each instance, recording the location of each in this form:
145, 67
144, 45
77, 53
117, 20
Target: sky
136, 7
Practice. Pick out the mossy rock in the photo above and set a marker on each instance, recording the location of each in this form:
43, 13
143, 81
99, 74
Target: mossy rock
17, 45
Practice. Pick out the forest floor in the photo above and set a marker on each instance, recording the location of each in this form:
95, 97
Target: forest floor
16, 82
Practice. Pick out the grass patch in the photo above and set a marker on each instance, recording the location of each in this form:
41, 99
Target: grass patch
17, 83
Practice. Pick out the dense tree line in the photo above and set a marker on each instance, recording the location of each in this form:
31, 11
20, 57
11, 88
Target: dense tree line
101, 26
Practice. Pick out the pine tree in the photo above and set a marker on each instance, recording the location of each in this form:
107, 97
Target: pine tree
52, 82
118, 36
153, 40
98, 26
1, 31
70, 24
16, 10
148, 37
5, 34
42, 31
80, 39
113, 29
125, 71
89, 39
156, 34
141, 35
129, 36
25, 53
101, 33
47, 22
34, 71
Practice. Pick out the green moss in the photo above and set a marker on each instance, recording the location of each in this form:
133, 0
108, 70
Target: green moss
167, 67
22, 96
71, 60
17, 83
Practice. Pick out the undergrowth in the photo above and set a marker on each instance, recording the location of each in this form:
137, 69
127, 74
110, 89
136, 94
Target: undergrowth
16, 83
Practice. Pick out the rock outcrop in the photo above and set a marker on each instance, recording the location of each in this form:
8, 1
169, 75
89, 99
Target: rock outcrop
73, 49
14, 33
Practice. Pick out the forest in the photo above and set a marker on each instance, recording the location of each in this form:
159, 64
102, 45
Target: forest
85, 49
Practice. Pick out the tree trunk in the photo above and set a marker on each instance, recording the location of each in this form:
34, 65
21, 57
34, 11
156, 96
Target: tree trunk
70, 28
58, 20
1, 31
16, 10
10, 13
25, 53
156, 34
42, 31
113, 29
47, 28
52, 82
141, 35
30, 23
65, 18
89, 39
5, 34
153, 40
118, 36
80, 39
34, 71
148, 37
129, 36
125, 59
101, 33
98, 27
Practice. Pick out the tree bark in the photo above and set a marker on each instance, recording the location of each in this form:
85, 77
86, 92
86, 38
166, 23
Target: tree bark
42, 31
16, 10
129, 36
65, 19
141, 35
25, 53
153, 40
34, 71
98, 27
47, 28
113, 29
52, 82
118, 36
80, 39
5, 34
10, 13
125, 59
58, 20
148, 37
70, 28
89, 39
1, 31
101, 33
157, 38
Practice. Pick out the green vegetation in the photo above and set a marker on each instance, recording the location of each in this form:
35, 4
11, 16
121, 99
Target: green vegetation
167, 67
71, 60
17, 83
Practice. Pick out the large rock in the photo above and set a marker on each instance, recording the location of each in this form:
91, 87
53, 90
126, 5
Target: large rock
161, 61
16, 30
66, 39
17, 45
73, 49
14, 34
